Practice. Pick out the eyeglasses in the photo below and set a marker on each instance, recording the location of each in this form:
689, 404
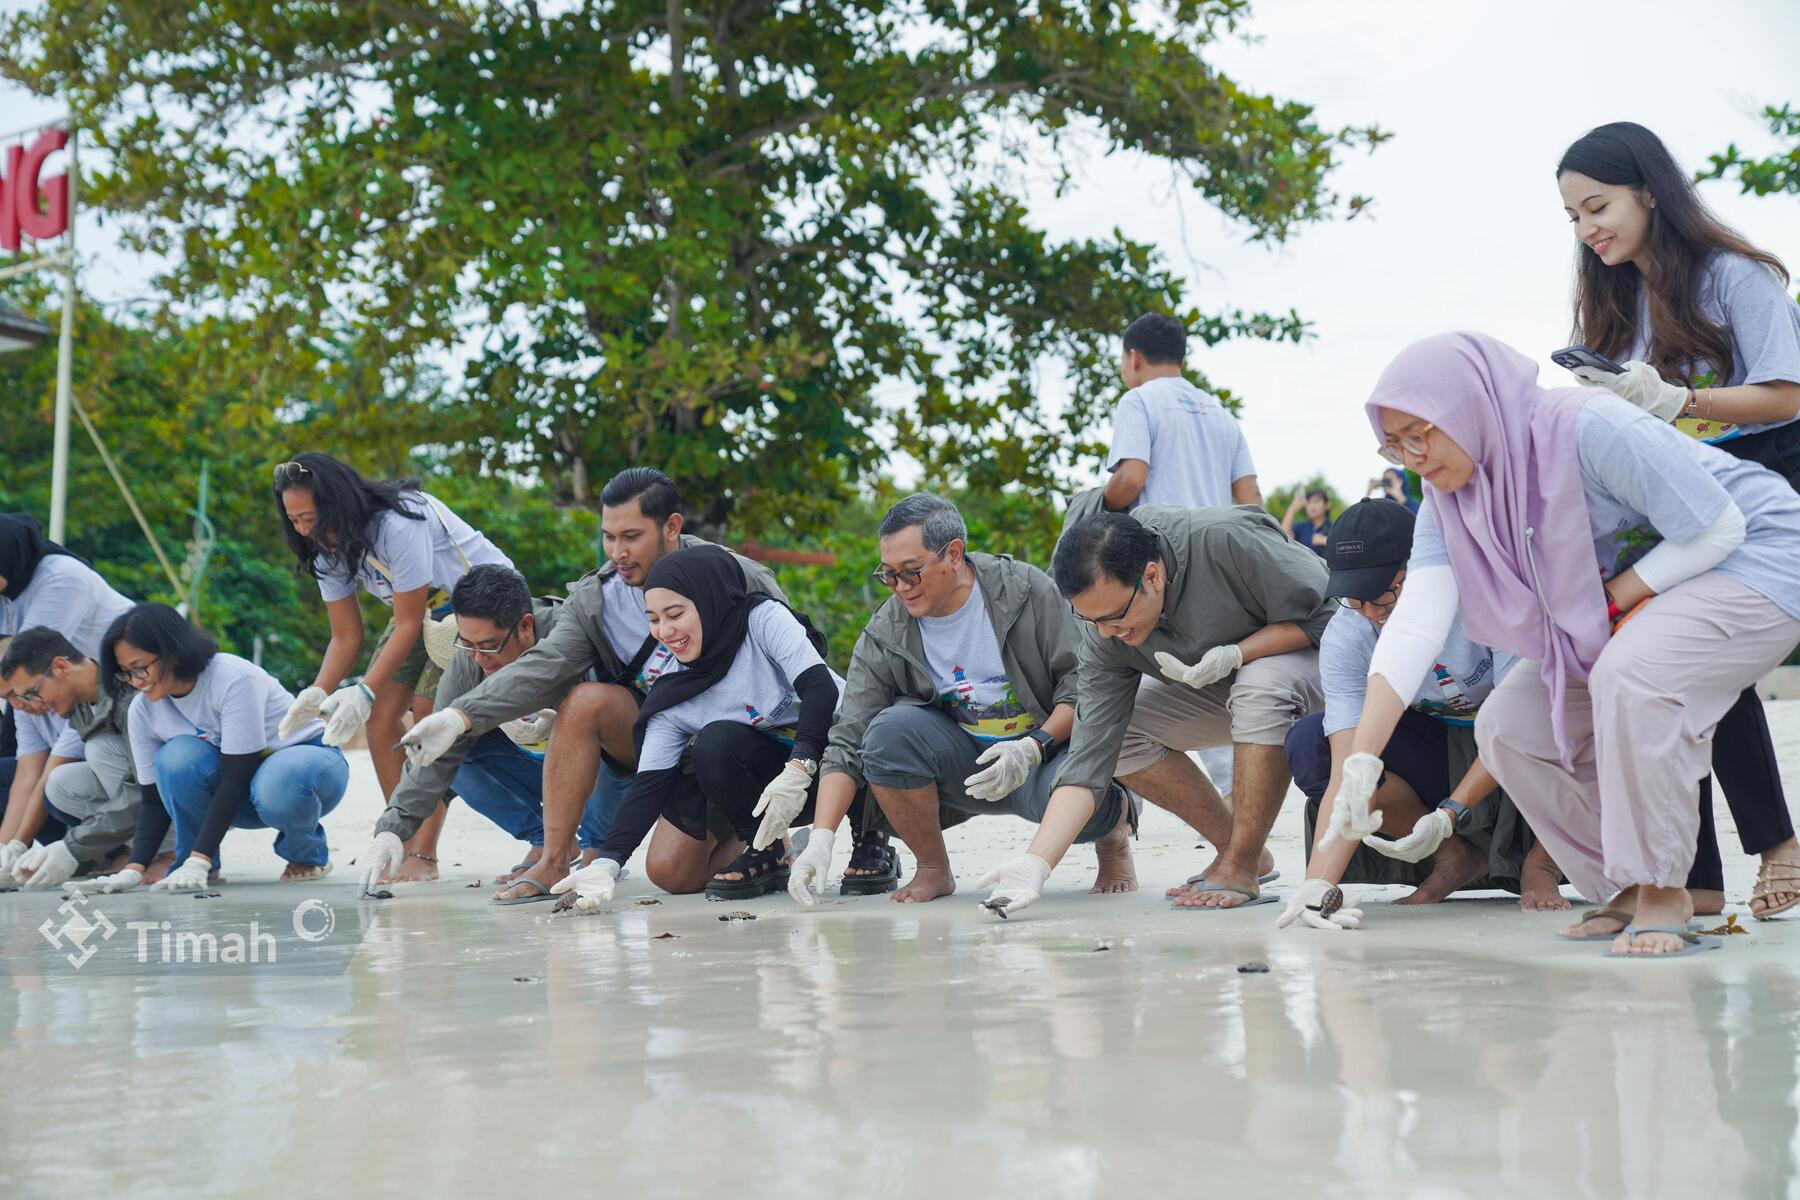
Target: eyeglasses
1387, 599
1119, 616
468, 648
911, 576
1413, 442
135, 675
288, 472
33, 695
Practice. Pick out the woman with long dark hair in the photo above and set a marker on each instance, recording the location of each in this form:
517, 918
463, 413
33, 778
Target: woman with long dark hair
407, 549
205, 737
1710, 340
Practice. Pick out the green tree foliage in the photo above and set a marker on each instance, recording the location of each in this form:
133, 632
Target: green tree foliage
760, 245
1779, 173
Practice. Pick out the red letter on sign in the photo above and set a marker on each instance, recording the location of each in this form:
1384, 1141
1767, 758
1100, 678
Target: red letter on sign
9, 214
54, 220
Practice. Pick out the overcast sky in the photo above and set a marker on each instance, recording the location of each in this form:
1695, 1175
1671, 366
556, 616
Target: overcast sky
1467, 229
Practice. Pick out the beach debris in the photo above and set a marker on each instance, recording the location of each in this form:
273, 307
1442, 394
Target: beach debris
1730, 926
207, 895
477, 883
648, 900
665, 936
528, 979
737, 914
1253, 968
1100, 945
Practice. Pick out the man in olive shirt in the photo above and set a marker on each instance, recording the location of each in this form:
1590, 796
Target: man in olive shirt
1201, 629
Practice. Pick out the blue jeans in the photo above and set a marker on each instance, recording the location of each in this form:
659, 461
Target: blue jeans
290, 791
506, 785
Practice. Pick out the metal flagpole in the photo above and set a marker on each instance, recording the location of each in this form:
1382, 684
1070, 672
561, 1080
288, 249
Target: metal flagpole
59, 455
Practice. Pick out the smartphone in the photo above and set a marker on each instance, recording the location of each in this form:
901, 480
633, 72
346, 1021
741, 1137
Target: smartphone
1571, 357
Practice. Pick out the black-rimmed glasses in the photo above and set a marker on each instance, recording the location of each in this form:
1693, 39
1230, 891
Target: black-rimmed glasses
1119, 616
135, 675
1387, 599
910, 576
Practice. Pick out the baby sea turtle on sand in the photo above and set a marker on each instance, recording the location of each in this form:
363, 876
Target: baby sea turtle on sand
1330, 902
737, 915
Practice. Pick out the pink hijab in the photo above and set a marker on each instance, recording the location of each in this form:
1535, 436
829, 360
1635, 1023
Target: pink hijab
1527, 479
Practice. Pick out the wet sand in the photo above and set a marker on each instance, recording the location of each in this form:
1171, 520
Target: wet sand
433, 1044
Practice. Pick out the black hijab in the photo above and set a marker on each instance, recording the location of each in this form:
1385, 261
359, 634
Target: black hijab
22, 547
710, 577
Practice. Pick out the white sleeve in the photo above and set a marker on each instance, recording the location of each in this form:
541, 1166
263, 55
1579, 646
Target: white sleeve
1670, 562
1414, 636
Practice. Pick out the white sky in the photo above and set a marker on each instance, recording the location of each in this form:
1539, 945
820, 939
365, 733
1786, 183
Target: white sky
1467, 229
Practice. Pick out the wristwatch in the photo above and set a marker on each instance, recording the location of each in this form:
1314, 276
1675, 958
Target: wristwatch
809, 765
1048, 746
1461, 816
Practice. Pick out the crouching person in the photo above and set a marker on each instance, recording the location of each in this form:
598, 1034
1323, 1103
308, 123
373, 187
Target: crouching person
960, 692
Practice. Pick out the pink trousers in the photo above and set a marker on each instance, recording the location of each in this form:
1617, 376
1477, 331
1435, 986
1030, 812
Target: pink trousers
1640, 731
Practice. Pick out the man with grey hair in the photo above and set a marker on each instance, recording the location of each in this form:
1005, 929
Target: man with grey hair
960, 691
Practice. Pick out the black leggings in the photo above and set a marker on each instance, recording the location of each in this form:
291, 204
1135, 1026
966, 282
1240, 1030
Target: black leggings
732, 765
1743, 753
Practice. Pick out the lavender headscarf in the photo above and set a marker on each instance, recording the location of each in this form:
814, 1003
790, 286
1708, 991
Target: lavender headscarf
1527, 481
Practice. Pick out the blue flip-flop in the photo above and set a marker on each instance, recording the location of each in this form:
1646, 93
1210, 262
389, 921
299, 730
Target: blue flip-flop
1271, 877
1694, 942
537, 897
1595, 913
1254, 898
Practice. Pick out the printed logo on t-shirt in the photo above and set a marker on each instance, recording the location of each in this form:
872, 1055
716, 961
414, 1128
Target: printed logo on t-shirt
660, 663
1456, 708
989, 709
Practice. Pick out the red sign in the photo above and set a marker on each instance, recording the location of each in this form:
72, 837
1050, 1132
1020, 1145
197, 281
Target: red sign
37, 208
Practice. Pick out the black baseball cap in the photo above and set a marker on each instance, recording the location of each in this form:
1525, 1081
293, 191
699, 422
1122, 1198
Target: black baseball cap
1370, 542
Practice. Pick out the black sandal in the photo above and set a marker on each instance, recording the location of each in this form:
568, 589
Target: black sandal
760, 871
872, 852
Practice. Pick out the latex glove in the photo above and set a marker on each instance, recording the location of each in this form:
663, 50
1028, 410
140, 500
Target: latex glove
51, 866
302, 711
1304, 907
530, 731
1426, 836
431, 737
1013, 761
345, 711
190, 876
10, 854
1213, 666
593, 884
1642, 386
811, 867
1352, 817
383, 857
1017, 884
106, 885
780, 802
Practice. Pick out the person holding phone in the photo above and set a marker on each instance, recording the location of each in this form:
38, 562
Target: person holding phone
1709, 339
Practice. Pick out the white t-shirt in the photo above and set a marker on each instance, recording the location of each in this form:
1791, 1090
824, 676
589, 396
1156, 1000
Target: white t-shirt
235, 706
626, 626
1461, 678
969, 674
757, 691
1195, 448
68, 596
421, 554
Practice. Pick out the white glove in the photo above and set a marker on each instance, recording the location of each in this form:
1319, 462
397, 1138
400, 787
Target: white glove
593, 884
303, 710
383, 857
190, 876
530, 731
1352, 817
1013, 761
780, 803
1426, 836
106, 885
1642, 386
1305, 905
1213, 666
1017, 884
346, 711
811, 866
46, 867
10, 854
431, 737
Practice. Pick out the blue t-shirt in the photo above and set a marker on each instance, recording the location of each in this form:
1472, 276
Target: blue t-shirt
1644, 482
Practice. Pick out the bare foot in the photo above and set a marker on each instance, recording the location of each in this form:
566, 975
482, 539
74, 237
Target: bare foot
588, 856
1264, 864
927, 884
1540, 883
415, 868
1225, 874
1669, 907
1703, 902
1777, 881
158, 867
302, 873
1611, 917
1454, 864
545, 871
531, 858
1117, 873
